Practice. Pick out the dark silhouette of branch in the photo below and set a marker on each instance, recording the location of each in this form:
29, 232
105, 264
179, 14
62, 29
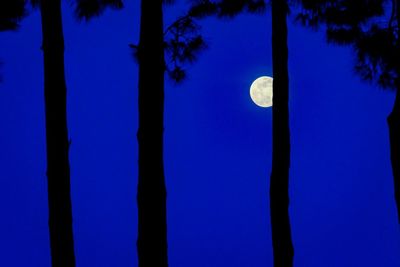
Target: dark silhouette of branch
88, 9
359, 24
11, 13
183, 43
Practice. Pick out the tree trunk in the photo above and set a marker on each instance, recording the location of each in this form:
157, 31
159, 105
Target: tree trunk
58, 172
279, 183
151, 195
394, 128
394, 137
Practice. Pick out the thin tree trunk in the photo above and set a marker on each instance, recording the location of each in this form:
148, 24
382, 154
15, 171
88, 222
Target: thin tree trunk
58, 172
279, 183
394, 138
151, 195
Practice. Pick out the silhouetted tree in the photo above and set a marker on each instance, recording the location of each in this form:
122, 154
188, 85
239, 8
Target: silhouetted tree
55, 91
393, 64
279, 183
58, 172
151, 192
378, 60
376, 42
181, 43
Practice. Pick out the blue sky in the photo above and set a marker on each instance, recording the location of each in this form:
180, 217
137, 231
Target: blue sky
217, 149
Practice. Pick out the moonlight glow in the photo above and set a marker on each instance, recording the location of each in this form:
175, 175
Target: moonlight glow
261, 91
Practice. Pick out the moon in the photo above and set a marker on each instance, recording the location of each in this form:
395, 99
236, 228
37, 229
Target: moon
261, 91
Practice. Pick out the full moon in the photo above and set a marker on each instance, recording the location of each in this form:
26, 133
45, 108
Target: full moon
261, 91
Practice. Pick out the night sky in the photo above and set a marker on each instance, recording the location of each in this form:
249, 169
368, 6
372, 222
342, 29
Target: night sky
217, 149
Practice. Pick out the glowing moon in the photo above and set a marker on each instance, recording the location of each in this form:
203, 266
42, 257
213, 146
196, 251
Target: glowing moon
261, 91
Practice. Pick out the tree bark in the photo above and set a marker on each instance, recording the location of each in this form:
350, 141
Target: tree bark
151, 195
279, 183
58, 172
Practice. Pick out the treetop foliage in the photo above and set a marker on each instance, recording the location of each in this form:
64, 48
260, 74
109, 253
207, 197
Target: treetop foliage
87, 9
225, 8
370, 27
11, 13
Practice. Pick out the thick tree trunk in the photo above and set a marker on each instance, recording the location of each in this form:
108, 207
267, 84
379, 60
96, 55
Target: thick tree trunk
279, 183
58, 173
151, 195
394, 137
